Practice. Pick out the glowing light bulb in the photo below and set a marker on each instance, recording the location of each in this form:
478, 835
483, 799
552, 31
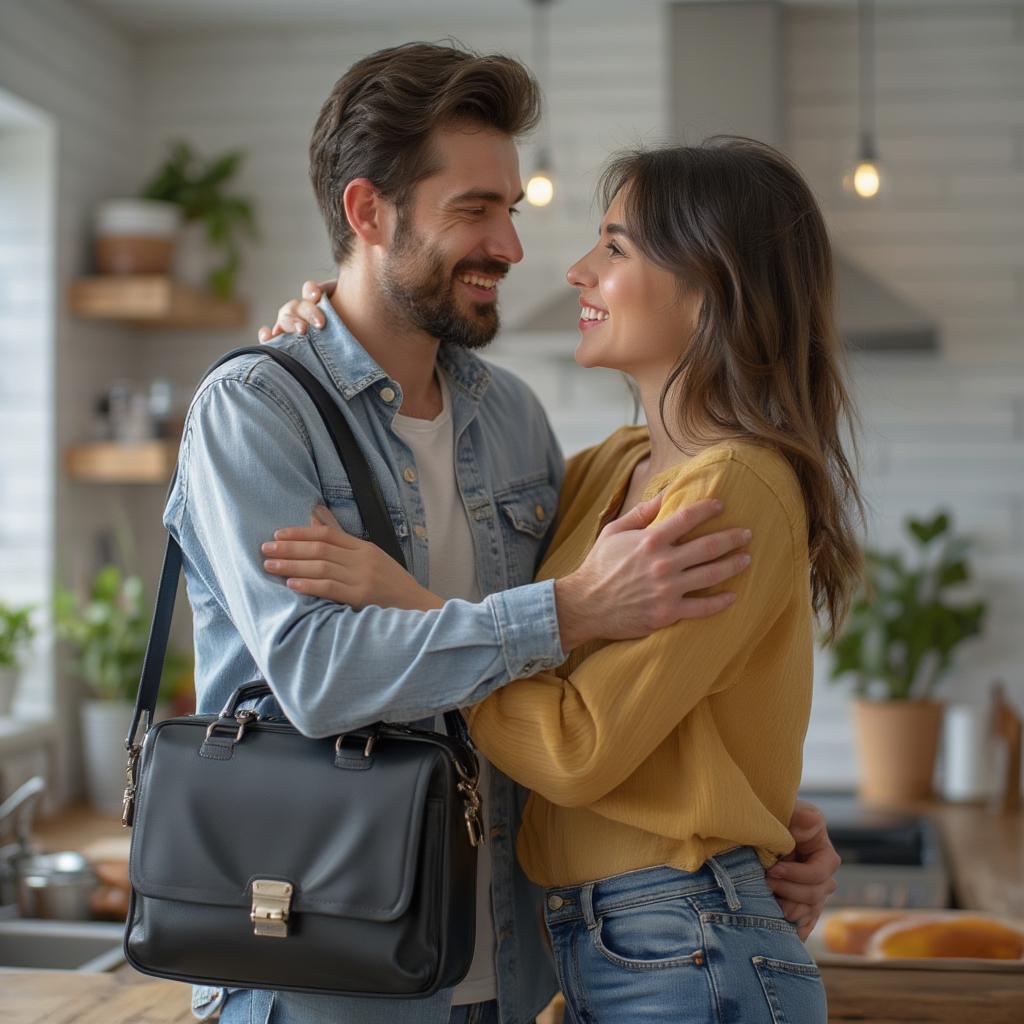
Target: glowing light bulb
866, 179
540, 190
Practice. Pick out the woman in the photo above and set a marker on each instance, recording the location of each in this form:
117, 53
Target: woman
664, 769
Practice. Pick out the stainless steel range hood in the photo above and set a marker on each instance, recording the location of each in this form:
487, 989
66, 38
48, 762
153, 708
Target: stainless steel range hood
726, 76
871, 317
874, 319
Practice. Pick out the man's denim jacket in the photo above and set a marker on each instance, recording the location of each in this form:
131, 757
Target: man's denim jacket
255, 456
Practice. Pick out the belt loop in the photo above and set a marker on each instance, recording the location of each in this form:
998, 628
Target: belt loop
587, 905
732, 900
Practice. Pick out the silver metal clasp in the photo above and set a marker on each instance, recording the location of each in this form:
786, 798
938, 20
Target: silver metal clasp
130, 770
371, 742
473, 805
271, 905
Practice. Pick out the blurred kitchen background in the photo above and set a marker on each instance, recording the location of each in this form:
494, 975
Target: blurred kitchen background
95, 378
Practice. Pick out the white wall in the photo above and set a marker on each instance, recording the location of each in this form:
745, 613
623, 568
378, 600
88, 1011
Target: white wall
82, 76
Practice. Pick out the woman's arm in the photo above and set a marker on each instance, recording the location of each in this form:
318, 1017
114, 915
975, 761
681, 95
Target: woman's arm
574, 740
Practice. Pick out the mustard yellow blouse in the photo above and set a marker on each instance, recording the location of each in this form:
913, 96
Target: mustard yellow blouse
671, 748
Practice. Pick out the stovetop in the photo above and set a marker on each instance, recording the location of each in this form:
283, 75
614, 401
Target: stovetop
890, 858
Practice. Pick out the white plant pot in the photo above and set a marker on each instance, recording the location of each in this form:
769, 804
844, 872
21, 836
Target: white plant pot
8, 688
193, 257
105, 724
137, 218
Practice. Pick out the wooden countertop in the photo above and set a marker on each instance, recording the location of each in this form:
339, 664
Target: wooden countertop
985, 851
114, 997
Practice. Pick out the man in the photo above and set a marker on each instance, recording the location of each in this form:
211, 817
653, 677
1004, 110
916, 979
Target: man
414, 165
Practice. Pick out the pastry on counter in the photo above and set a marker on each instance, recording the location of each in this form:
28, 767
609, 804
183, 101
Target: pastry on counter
958, 935
850, 931
901, 934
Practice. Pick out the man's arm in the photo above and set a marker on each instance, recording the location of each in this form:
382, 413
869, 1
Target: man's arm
245, 469
574, 740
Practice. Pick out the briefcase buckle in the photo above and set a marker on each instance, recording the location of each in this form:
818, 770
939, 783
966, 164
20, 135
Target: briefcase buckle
271, 905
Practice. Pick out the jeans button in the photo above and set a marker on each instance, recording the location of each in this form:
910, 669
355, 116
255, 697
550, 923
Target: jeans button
555, 903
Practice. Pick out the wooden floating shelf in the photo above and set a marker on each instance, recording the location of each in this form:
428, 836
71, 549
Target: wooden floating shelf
148, 462
153, 301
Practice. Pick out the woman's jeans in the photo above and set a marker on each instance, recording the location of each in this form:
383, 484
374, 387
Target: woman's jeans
704, 947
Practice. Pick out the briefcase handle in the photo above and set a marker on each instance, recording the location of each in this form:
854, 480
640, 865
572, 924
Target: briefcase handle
369, 501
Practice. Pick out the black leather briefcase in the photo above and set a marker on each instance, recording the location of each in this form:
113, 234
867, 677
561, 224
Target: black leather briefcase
262, 858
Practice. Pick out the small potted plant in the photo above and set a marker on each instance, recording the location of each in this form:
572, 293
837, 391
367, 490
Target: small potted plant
16, 633
896, 647
215, 222
108, 628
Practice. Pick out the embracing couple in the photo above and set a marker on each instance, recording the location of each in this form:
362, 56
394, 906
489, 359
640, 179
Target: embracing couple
640, 726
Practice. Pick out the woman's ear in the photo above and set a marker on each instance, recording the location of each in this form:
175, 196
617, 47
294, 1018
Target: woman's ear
364, 209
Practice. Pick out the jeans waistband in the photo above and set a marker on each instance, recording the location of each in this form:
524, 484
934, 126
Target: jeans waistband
590, 900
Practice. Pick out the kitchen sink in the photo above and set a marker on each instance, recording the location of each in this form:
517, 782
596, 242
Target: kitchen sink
60, 945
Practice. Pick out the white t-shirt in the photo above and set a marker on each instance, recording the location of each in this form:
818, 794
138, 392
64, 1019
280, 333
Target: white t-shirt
453, 575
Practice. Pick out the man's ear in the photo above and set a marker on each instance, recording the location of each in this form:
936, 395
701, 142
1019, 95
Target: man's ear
366, 210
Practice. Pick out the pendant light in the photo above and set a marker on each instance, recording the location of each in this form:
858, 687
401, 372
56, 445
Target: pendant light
865, 179
540, 189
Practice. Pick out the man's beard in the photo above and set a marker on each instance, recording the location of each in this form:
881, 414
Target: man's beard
423, 290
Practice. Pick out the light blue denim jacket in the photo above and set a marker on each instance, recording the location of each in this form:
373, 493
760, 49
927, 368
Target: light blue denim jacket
255, 456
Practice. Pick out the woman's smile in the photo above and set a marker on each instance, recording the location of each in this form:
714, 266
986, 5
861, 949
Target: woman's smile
591, 316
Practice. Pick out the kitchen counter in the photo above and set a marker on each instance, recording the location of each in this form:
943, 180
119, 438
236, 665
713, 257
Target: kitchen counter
116, 997
985, 852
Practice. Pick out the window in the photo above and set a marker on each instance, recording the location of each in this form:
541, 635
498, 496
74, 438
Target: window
27, 328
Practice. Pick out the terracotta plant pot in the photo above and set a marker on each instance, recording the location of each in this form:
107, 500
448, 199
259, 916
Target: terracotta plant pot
120, 254
896, 745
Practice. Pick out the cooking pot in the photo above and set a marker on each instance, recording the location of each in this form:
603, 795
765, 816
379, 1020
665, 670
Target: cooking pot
55, 885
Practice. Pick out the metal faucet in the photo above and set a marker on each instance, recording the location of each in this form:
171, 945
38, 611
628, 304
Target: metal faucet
16, 814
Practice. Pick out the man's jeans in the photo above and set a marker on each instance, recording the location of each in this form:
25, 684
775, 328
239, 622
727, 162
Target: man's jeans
475, 1013
703, 947
244, 1006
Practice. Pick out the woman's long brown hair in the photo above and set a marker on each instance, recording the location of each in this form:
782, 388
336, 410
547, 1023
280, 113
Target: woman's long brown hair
734, 219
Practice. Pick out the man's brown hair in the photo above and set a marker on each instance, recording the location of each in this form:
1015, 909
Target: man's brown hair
377, 121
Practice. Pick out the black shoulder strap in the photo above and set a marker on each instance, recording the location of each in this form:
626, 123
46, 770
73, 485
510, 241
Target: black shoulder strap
369, 501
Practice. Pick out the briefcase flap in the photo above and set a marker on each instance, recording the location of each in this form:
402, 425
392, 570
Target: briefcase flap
347, 838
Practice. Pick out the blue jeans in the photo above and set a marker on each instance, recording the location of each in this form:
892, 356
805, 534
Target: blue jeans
475, 1013
245, 1006
704, 947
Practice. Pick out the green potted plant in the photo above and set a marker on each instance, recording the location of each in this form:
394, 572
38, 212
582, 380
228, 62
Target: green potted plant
16, 633
896, 648
200, 189
107, 626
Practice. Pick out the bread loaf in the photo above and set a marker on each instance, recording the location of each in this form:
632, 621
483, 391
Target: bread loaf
950, 935
849, 931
